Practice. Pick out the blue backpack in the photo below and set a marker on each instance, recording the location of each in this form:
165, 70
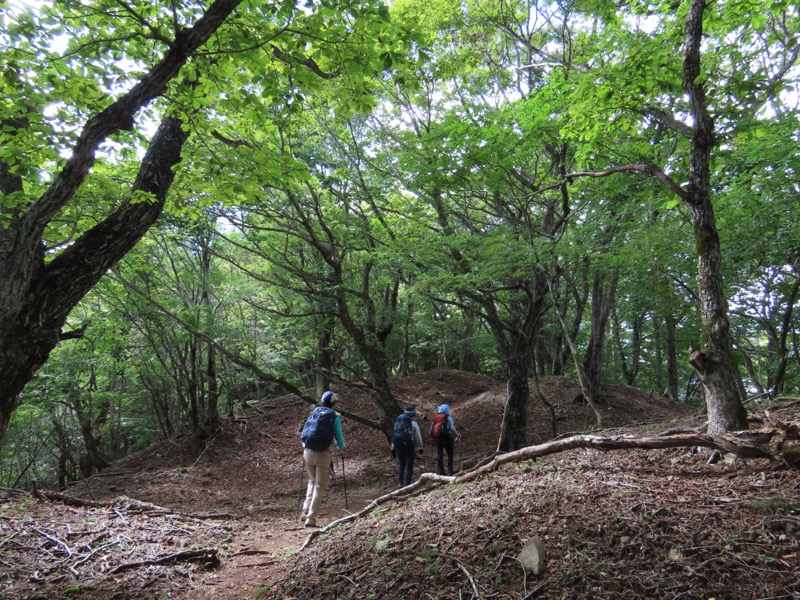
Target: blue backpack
403, 433
318, 433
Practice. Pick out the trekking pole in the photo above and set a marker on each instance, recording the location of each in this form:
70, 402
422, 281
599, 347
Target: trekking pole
344, 482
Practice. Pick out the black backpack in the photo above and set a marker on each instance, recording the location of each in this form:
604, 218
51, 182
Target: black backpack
318, 432
403, 433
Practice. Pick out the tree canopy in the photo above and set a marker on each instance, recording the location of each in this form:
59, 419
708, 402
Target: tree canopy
203, 204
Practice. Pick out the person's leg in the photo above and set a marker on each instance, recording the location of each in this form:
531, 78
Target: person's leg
322, 463
409, 466
439, 457
449, 447
311, 470
401, 466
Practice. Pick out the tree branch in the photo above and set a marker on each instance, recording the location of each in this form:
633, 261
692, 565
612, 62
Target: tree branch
306, 62
667, 119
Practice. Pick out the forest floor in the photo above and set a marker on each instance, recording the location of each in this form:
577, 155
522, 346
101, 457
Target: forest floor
220, 520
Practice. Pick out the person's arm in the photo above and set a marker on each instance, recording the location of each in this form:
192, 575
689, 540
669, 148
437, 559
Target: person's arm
417, 436
337, 432
454, 432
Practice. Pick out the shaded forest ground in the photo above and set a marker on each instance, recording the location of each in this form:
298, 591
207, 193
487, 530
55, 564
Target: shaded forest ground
627, 524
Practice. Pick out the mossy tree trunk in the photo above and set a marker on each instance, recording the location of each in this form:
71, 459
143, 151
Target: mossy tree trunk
714, 362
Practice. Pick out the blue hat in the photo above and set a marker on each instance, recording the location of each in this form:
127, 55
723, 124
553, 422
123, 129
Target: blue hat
329, 398
444, 409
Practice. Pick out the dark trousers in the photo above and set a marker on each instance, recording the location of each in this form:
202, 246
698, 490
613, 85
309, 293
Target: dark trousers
405, 466
442, 445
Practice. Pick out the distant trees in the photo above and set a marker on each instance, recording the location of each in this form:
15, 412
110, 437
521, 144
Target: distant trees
527, 188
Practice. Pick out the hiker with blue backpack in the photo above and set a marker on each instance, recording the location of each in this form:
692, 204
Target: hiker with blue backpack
406, 443
443, 430
322, 427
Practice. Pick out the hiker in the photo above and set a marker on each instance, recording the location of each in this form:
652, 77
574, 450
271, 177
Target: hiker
322, 426
443, 430
406, 442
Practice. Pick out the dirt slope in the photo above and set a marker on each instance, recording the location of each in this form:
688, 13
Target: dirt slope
634, 524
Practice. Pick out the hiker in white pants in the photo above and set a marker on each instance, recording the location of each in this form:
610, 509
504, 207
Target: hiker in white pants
322, 427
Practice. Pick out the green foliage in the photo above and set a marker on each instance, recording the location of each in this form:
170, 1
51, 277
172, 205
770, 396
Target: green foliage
341, 151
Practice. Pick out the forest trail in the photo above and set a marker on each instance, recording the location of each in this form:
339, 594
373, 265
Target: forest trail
237, 496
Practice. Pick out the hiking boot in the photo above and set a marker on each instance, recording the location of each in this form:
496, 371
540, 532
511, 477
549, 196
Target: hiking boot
303, 518
310, 524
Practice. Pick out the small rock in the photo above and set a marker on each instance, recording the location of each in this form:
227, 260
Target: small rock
534, 557
675, 555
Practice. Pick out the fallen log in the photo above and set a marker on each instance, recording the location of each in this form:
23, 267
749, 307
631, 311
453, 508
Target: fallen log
780, 442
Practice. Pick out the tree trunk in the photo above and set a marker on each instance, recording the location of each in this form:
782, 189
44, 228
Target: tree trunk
36, 296
211, 420
36, 309
602, 301
777, 378
93, 459
714, 363
672, 358
66, 460
636, 342
586, 389
370, 339
514, 429
324, 358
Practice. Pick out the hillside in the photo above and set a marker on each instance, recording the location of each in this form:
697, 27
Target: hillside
629, 524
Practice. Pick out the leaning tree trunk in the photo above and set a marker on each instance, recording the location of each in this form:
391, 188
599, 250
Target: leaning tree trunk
370, 340
714, 362
36, 296
586, 390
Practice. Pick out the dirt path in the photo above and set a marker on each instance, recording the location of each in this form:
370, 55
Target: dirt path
250, 476
258, 547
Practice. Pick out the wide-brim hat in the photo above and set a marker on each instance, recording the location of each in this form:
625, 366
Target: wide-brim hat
410, 409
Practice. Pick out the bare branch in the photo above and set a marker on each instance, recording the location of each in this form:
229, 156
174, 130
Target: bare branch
306, 62
648, 169
670, 121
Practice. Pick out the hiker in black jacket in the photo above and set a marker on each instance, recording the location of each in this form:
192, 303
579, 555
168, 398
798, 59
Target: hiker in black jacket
406, 443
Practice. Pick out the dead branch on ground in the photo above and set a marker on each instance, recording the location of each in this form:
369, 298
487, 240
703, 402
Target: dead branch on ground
207, 556
124, 503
